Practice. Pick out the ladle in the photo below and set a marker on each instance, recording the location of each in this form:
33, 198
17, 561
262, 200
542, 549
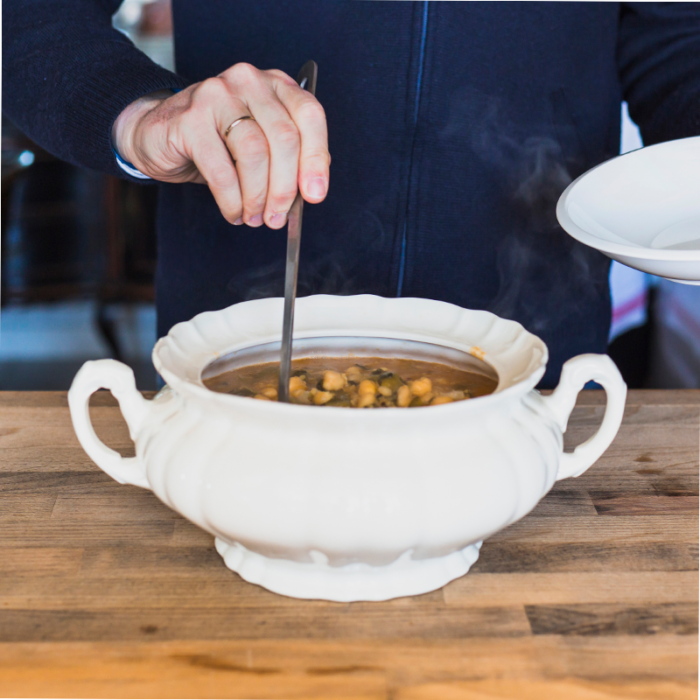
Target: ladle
307, 80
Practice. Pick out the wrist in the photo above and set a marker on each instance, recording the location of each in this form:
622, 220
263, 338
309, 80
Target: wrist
126, 123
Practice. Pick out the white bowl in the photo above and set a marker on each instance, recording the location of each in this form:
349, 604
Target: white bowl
344, 503
641, 209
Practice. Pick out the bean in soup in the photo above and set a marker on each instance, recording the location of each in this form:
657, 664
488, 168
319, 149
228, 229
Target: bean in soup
374, 382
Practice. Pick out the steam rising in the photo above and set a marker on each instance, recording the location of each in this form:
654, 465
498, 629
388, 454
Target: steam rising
537, 261
323, 275
330, 271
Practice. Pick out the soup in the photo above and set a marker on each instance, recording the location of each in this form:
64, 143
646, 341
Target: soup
375, 382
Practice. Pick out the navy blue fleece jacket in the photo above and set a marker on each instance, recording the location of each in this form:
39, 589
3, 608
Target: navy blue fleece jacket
454, 126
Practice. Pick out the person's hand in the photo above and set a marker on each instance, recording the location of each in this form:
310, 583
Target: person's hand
255, 171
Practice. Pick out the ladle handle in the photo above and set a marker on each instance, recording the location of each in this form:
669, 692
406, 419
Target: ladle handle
119, 379
575, 374
307, 81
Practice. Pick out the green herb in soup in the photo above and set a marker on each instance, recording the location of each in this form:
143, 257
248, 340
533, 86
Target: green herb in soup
375, 383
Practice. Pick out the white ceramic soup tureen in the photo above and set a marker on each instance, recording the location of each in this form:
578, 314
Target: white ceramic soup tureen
343, 503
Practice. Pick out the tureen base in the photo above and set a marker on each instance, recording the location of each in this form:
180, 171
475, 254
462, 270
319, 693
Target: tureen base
319, 580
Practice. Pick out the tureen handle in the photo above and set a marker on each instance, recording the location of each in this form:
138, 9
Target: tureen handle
575, 374
119, 379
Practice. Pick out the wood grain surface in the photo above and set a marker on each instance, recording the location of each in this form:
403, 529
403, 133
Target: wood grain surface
106, 592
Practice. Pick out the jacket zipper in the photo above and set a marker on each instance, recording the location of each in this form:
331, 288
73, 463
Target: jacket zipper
421, 61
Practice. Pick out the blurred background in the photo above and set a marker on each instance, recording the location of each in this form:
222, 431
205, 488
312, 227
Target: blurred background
78, 261
78, 250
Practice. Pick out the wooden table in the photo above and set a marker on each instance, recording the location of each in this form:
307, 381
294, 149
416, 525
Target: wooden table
105, 592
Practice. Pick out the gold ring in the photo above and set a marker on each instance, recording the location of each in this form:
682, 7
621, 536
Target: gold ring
236, 122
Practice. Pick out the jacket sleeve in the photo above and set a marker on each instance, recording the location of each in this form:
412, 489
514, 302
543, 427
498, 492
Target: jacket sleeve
67, 75
659, 64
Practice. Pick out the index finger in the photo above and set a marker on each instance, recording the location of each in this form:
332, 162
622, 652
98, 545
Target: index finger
310, 119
